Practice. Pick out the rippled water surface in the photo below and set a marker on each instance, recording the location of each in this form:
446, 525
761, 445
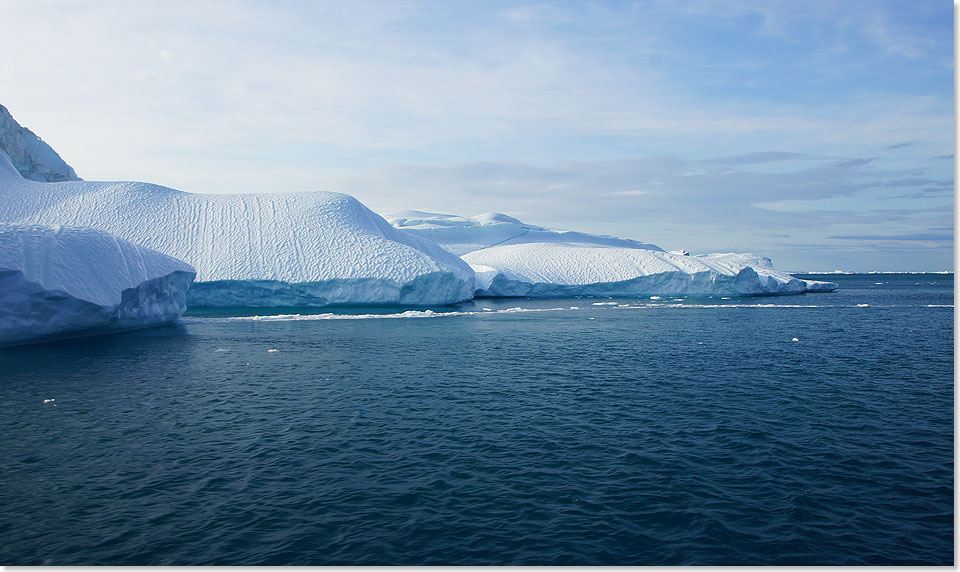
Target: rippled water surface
575, 431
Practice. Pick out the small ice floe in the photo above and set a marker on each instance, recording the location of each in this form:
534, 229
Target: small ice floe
699, 343
862, 305
51, 400
272, 351
878, 283
221, 351
795, 340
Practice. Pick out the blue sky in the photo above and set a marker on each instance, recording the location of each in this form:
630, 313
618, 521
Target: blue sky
817, 133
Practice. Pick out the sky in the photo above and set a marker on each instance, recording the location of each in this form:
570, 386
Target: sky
819, 133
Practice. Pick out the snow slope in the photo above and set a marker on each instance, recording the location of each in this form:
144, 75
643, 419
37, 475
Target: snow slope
284, 249
58, 281
31, 157
551, 269
461, 235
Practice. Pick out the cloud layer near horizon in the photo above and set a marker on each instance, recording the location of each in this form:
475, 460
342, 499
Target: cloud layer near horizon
775, 127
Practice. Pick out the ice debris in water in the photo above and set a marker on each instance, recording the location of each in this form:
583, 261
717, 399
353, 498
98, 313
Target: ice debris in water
272, 351
49, 400
795, 340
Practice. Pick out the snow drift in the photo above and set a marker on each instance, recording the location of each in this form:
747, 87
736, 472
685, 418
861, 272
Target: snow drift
284, 249
461, 235
576, 270
57, 282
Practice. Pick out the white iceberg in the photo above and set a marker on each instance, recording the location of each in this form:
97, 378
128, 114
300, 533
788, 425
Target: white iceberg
460, 234
557, 270
61, 282
30, 156
283, 249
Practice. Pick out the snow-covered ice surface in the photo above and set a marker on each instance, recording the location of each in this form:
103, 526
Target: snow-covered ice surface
29, 154
60, 281
551, 269
460, 234
283, 249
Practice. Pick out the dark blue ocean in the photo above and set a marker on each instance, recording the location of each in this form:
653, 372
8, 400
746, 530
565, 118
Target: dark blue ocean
573, 431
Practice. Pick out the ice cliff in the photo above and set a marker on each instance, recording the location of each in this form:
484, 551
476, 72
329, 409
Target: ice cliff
30, 156
58, 282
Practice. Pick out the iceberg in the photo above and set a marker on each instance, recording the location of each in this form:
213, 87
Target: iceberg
558, 270
276, 249
29, 155
460, 234
58, 281
514, 258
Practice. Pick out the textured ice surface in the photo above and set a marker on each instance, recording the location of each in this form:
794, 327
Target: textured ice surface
29, 155
461, 235
283, 249
59, 281
551, 269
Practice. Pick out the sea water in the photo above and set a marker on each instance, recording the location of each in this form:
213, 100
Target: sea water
812, 429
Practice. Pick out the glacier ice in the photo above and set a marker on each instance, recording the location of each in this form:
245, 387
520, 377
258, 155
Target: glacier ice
58, 281
29, 154
320, 248
514, 258
553, 269
460, 234
277, 249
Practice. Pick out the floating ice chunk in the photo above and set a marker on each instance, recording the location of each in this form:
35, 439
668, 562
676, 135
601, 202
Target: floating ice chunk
49, 400
795, 340
272, 351
557, 270
58, 281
